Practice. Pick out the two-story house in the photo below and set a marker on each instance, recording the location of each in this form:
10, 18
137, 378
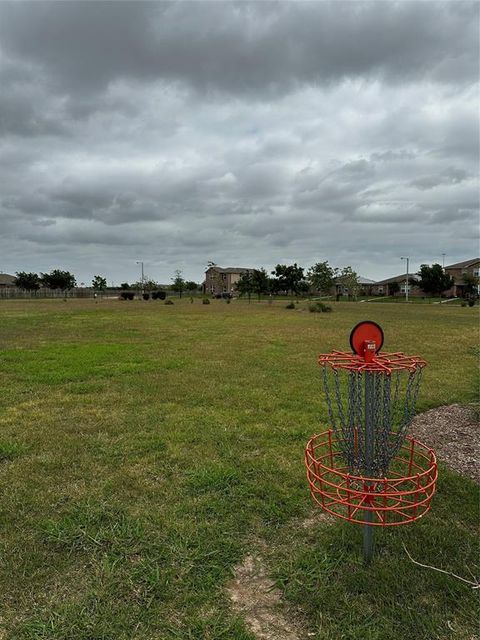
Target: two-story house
458, 271
220, 280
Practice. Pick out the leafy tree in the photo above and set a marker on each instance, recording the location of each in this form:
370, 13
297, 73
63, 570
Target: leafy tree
288, 277
58, 279
178, 282
190, 285
149, 284
322, 277
433, 279
471, 285
99, 283
349, 279
27, 281
260, 281
244, 284
393, 288
124, 286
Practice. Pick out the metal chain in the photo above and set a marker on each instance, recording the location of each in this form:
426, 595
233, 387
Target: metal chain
391, 407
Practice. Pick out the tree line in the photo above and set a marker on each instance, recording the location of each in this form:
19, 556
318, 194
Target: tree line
295, 280
65, 281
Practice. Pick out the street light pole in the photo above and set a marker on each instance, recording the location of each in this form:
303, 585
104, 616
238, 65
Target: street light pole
406, 283
443, 261
143, 284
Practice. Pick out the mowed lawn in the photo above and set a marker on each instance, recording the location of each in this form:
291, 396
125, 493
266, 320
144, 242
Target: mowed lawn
145, 449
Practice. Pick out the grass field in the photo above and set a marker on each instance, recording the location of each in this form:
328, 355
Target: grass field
145, 449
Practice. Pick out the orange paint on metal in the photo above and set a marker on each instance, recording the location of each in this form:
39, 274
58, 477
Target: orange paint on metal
401, 498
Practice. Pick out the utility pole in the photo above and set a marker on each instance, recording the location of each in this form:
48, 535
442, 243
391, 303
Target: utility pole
443, 261
143, 277
406, 283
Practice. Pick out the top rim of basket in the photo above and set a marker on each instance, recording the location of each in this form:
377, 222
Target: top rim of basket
384, 362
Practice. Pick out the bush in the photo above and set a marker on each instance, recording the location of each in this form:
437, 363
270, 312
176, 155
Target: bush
463, 303
127, 295
159, 295
290, 306
228, 301
471, 302
319, 307
168, 301
205, 301
146, 296
130, 295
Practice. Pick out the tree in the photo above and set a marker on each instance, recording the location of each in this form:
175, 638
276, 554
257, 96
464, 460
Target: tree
349, 279
434, 280
99, 283
178, 282
322, 277
58, 279
244, 284
27, 281
190, 285
471, 285
288, 277
124, 286
149, 284
393, 288
260, 281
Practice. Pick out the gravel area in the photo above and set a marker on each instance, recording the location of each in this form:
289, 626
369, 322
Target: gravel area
454, 433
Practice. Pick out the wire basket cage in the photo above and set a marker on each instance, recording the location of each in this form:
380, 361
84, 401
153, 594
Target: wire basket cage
402, 497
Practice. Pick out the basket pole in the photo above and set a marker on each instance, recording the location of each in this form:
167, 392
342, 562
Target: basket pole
369, 453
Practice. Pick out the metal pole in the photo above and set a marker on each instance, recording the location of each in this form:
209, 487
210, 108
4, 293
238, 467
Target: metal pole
443, 260
406, 283
143, 277
369, 454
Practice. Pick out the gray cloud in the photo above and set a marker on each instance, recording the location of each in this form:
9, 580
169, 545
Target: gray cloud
249, 133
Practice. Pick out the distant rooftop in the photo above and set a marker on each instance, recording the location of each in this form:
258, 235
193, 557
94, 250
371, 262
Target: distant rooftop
464, 264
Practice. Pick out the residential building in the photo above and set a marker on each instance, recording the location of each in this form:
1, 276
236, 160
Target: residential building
384, 287
458, 271
7, 281
365, 287
220, 280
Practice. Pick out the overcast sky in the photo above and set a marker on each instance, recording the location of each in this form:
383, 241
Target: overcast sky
243, 133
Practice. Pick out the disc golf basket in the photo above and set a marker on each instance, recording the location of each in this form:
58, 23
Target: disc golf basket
365, 469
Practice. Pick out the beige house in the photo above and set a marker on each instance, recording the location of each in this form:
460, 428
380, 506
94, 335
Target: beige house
384, 287
219, 280
7, 281
458, 271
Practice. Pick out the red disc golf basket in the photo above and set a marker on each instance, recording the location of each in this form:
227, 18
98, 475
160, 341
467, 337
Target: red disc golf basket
365, 469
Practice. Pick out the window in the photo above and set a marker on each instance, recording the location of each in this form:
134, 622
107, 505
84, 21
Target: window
403, 288
476, 273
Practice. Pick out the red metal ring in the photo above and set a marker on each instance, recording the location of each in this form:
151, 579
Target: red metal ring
401, 498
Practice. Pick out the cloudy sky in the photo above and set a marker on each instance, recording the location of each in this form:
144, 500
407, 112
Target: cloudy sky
243, 133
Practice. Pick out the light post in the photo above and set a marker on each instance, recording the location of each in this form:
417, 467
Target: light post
406, 283
443, 261
143, 284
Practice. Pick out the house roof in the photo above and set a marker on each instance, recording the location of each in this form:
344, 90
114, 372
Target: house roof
464, 264
361, 280
230, 269
412, 277
7, 279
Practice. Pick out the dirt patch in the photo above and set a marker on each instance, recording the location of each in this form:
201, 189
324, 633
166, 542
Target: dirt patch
453, 432
255, 597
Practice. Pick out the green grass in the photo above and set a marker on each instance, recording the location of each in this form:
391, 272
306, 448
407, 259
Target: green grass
145, 449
